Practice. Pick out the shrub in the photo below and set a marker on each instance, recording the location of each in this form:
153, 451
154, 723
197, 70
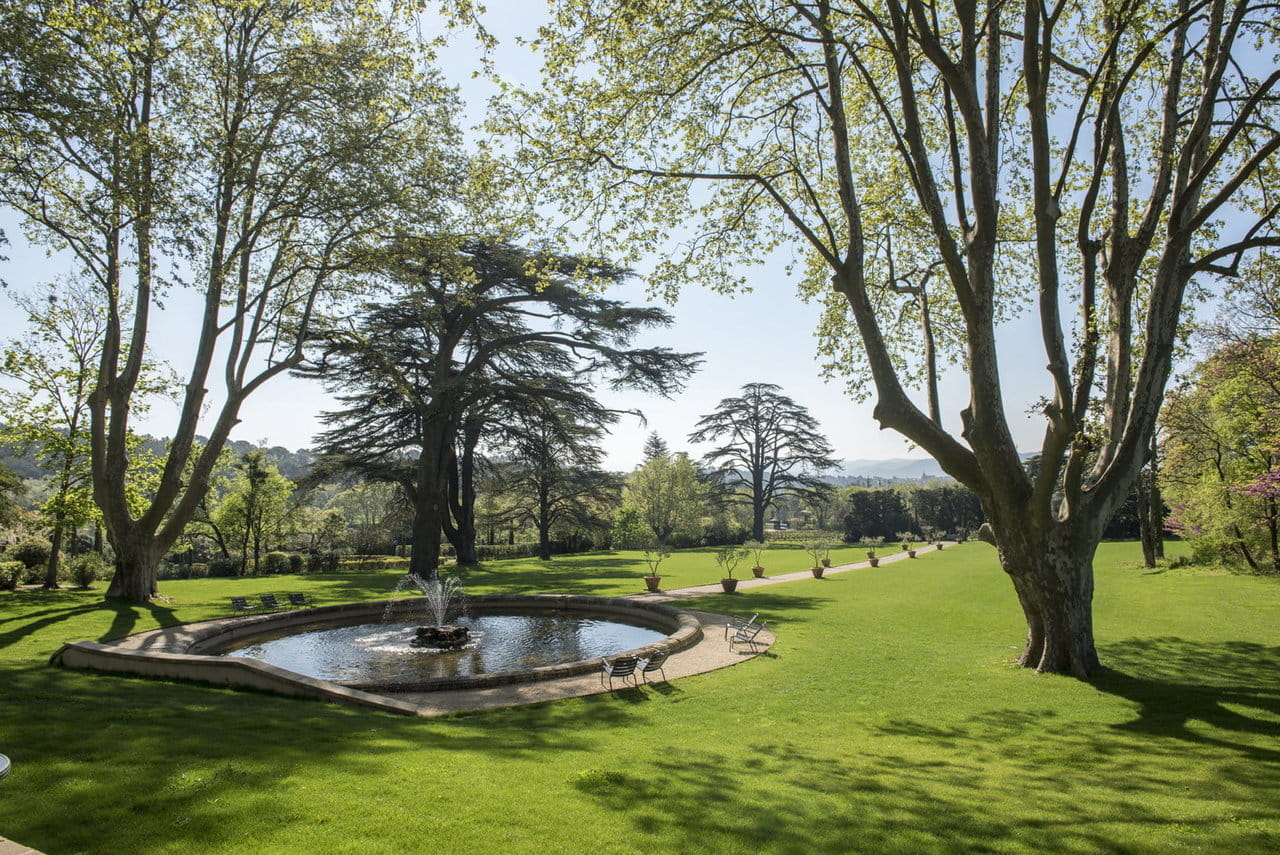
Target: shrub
322, 562
32, 552
295, 562
11, 573
274, 563
87, 569
222, 568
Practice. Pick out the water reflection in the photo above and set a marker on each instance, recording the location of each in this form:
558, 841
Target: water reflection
381, 651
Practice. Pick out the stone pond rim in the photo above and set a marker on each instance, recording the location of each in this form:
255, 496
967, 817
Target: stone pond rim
191, 651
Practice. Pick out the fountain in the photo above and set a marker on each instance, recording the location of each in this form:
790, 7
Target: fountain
444, 599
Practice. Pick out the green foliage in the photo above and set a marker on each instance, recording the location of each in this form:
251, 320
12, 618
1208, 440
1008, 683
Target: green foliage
87, 568
757, 549
768, 447
819, 547
11, 492
266, 147
1222, 453
669, 497
276, 563
33, 552
654, 555
629, 527
256, 513
728, 558
11, 574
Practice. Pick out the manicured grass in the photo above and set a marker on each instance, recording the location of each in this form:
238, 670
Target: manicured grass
616, 573
887, 718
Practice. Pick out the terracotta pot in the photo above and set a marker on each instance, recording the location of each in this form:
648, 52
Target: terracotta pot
759, 571
729, 585
875, 562
817, 572
871, 553
826, 562
911, 553
652, 582
939, 544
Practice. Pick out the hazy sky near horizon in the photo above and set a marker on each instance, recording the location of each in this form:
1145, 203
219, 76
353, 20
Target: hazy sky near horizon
766, 335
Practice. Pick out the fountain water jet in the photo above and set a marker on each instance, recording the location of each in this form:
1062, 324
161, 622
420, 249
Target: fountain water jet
444, 600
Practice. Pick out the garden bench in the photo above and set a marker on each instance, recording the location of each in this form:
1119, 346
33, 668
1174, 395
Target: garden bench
621, 667
240, 604
270, 603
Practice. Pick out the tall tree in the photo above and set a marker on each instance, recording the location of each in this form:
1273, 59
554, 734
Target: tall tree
250, 150
654, 446
471, 328
256, 511
1114, 151
54, 365
668, 495
769, 447
555, 480
1223, 455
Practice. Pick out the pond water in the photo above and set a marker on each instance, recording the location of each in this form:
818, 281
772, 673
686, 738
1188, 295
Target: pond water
381, 651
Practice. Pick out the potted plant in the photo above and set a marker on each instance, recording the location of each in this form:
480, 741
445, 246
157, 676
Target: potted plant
654, 555
728, 558
908, 543
874, 542
817, 548
756, 548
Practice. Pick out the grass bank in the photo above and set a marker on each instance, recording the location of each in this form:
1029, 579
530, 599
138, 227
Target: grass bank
887, 718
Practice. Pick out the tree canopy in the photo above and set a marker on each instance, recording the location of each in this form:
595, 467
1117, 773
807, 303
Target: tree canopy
469, 333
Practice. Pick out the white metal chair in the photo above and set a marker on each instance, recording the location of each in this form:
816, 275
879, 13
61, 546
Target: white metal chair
654, 663
621, 668
747, 635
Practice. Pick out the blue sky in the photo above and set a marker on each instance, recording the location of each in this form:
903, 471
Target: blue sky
766, 335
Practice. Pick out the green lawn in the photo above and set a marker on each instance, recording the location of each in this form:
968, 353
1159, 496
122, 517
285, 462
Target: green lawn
887, 718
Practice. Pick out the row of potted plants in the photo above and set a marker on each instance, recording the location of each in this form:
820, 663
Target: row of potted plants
729, 557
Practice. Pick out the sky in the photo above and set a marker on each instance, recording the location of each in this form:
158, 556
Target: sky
766, 335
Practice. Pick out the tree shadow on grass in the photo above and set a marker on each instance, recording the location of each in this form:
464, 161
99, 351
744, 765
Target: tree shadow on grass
1225, 695
789, 798
45, 619
167, 753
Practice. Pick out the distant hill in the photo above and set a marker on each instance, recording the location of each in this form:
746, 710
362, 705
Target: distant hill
896, 468
292, 464
893, 470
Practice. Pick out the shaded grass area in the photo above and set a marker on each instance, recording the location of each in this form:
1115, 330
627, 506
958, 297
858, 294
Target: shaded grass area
887, 718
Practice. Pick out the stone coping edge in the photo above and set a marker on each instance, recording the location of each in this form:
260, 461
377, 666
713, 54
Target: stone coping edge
220, 671
192, 660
